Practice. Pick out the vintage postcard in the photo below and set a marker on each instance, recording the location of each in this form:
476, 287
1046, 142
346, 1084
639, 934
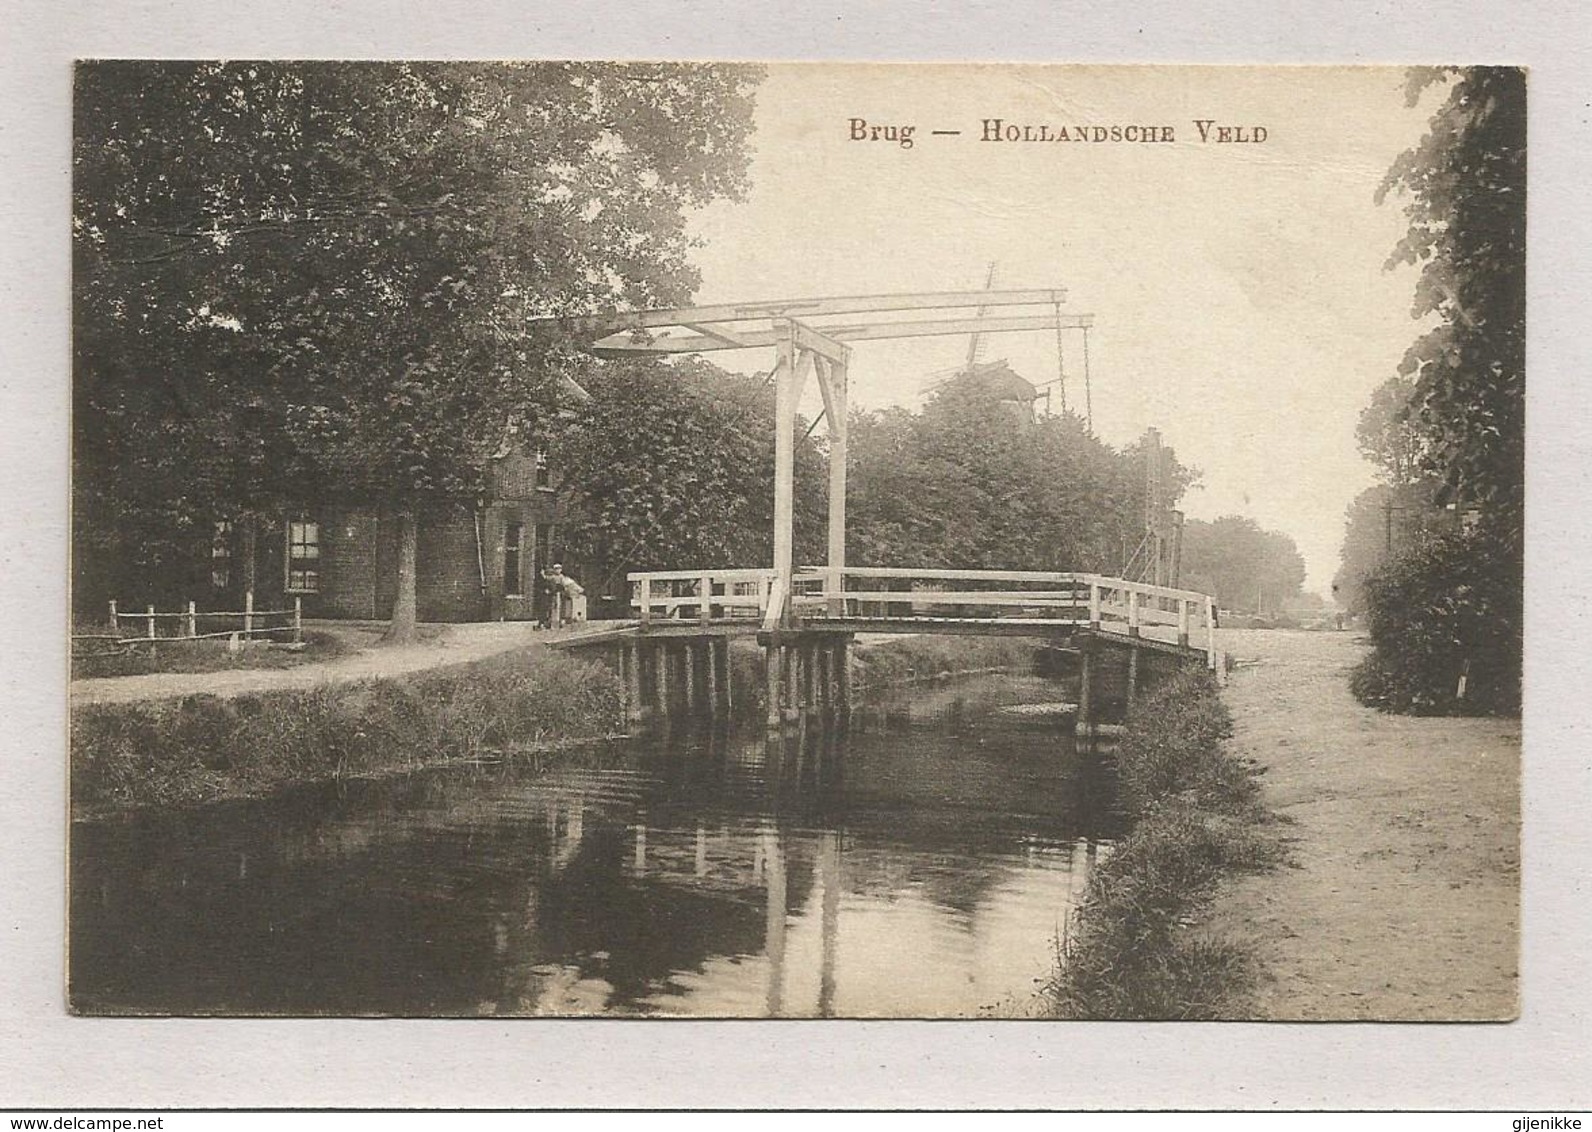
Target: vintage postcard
734, 540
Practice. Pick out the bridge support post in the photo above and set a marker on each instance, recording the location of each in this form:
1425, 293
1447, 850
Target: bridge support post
722, 651
1133, 674
810, 676
790, 666
832, 377
688, 661
1086, 712
774, 684
842, 664
710, 672
630, 666
660, 670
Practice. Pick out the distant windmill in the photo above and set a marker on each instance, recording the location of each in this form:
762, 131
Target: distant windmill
975, 348
975, 352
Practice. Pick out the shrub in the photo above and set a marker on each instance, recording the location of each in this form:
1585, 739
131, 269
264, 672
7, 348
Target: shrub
909, 658
199, 748
1449, 606
203, 655
1195, 817
1174, 745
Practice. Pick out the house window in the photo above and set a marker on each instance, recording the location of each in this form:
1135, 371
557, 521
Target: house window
513, 540
544, 471
303, 557
221, 554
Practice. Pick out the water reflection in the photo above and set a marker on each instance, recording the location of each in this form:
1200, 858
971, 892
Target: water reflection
917, 864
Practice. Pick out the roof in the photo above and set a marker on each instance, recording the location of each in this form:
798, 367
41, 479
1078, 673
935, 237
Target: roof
999, 380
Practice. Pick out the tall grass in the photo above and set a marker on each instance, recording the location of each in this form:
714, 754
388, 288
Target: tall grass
204, 747
1130, 951
176, 655
875, 664
929, 657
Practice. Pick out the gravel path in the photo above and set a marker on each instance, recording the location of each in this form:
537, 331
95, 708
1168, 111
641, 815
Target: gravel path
451, 644
1405, 900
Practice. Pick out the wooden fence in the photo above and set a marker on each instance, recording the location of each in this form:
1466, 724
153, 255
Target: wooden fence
167, 628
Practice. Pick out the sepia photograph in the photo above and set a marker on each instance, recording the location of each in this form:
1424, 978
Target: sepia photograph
732, 540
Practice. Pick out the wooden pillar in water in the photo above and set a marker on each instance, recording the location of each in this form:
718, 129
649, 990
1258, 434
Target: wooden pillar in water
791, 667
725, 684
630, 668
688, 659
775, 685
843, 674
660, 667
1133, 674
1086, 685
710, 671
810, 676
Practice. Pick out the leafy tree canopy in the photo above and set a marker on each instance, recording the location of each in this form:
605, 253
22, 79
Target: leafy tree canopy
671, 466
293, 278
971, 482
1245, 566
1464, 191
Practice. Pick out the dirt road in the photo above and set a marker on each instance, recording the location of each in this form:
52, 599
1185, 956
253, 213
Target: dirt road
448, 644
1404, 902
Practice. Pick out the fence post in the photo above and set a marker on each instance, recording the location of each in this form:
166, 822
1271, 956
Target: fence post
705, 591
1133, 613
193, 621
298, 620
116, 622
1182, 621
646, 600
1094, 605
248, 614
1210, 635
151, 622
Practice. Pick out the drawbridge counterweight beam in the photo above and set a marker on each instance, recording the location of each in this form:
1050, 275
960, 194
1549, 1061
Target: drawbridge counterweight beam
813, 337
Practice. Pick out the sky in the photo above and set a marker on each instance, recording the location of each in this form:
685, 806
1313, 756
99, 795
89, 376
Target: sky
1238, 289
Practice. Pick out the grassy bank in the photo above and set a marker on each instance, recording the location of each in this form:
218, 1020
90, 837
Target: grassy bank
1132, 951
201, 748
207, 656
874, 664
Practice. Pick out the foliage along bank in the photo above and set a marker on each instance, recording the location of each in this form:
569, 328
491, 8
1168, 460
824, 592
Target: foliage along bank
196, 749
1131, 950
1442, 586
295, 278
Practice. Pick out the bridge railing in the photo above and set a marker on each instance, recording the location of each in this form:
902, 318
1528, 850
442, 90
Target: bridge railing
701, 595
904, 594
1049, 597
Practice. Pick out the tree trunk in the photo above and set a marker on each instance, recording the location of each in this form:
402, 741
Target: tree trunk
250, 549
403, 606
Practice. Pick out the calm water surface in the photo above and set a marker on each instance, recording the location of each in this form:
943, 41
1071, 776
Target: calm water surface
918, 864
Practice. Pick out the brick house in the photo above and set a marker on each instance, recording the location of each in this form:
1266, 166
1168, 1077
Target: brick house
474, 560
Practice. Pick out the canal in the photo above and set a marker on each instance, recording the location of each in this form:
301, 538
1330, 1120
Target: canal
918, 863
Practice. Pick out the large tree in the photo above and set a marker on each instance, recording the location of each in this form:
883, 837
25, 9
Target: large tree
671, 466
1402, 507
971, 482
1464, 191
1243, 565
292, 277
1444, 614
